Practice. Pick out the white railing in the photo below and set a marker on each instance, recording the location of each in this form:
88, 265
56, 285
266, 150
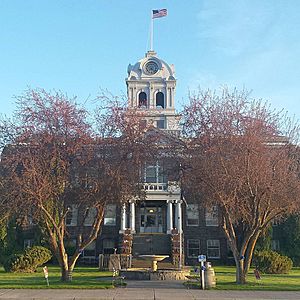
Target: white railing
155, 187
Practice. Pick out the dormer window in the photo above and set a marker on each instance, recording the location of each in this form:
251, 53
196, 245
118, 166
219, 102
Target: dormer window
160, 101
142, 99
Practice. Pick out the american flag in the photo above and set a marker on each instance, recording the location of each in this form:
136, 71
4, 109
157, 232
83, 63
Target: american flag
159, 13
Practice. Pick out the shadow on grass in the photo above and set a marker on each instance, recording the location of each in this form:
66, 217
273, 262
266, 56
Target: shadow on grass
258, 286
83, 277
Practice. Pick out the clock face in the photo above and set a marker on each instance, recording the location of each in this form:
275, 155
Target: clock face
151, 67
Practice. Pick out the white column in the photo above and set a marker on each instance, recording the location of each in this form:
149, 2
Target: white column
179, 227
178, 214
132, 216
123, 217
169, 216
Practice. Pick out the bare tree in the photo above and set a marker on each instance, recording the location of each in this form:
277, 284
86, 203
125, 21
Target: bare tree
243, 158
56, 161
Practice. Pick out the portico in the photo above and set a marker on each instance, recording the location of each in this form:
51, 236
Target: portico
160, 212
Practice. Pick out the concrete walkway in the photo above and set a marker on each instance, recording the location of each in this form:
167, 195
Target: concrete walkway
144, 290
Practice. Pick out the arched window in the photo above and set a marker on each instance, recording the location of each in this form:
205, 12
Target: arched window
142, 99
160, 101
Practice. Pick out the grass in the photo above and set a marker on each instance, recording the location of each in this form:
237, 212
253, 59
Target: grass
91, 278
83, 278
225, 276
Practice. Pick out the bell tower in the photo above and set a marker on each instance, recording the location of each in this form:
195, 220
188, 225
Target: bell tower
151, 88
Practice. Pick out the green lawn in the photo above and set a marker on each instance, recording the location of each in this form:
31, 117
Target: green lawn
83, 278
91, 278
271, 282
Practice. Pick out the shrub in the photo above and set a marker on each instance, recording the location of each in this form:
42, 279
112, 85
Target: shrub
271, 262
38, 254
14, 262
28, 261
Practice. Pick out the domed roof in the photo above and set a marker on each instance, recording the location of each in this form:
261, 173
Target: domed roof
151, 67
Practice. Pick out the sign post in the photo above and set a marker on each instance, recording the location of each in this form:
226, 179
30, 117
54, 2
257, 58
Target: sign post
45, 269
202, 259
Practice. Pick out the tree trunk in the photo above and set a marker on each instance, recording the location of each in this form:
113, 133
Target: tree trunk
66, 271
72, 261
241, 275
250, 250
66, 274
68, 267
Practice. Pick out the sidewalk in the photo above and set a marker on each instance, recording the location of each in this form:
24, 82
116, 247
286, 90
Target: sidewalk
140, 290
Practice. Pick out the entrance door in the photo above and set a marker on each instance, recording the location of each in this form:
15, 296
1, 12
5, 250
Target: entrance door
151, 220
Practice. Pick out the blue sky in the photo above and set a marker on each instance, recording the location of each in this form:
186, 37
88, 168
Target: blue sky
81, 46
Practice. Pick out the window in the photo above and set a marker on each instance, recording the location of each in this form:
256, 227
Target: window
110, 215
213, 248
192, 215
90, 250
71, 218
211, 216
275, 246
76, 178
160, 124
154, 174
108, 246
142, 99
90, 218
193, 248
160, 102
28, 243
89, 177
151, 174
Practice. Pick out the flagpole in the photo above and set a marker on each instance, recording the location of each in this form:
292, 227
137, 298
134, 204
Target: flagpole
151, 32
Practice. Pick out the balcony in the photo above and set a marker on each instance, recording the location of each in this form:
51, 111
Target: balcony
171, 187
155, 187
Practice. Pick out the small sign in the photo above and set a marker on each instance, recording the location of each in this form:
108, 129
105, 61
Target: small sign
45, 270
202, 258
257, 274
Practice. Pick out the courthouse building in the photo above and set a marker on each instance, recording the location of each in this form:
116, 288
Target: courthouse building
163, 222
